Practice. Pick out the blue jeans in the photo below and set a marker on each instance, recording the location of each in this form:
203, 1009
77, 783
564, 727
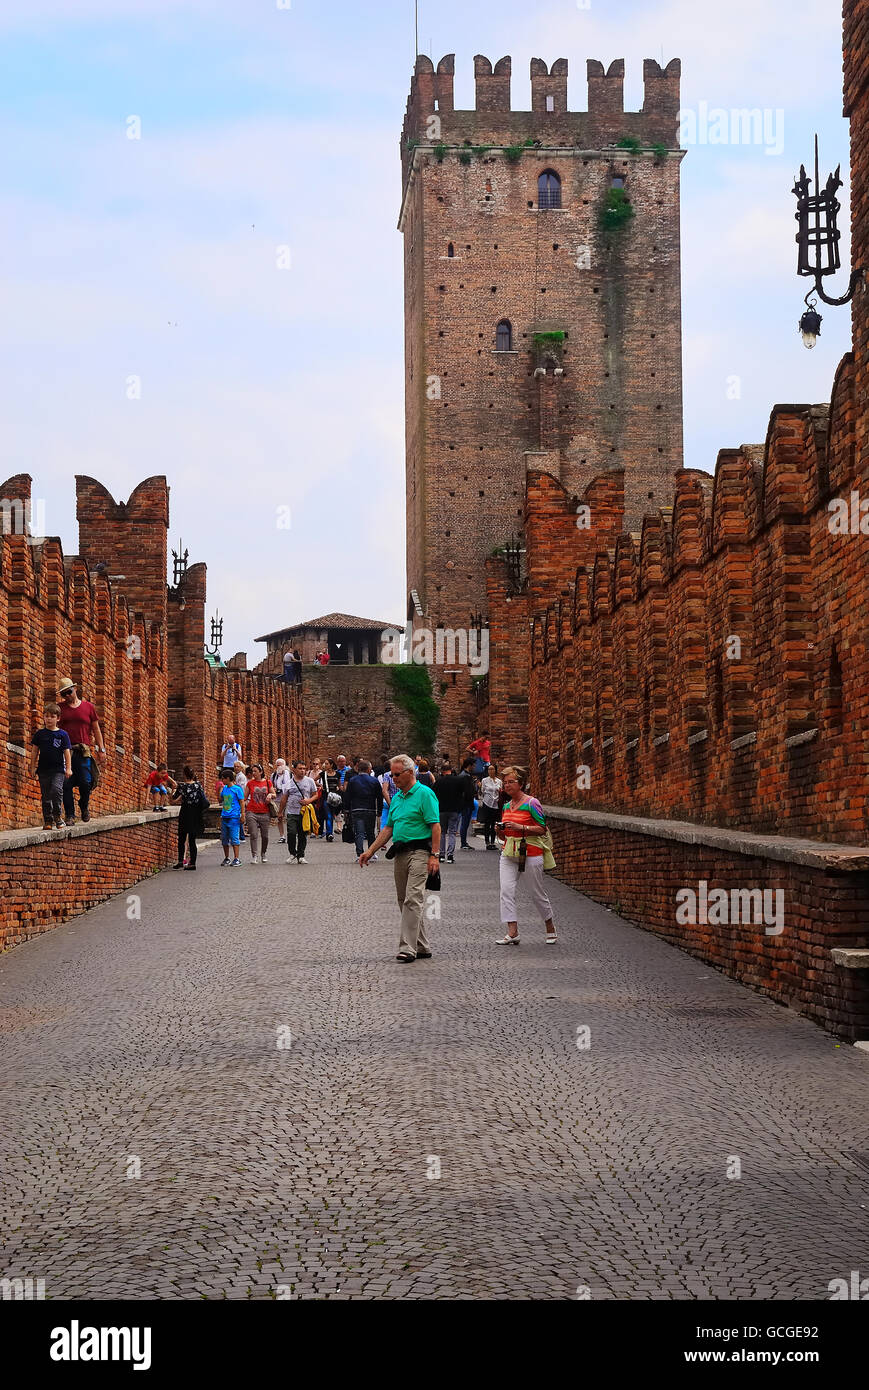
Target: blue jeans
364, 827
466, 821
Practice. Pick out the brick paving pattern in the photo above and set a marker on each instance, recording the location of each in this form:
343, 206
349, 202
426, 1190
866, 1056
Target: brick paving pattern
301, 1171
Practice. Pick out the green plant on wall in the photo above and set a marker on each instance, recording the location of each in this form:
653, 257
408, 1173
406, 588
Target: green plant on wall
464, 156
439, 152
616, 212
515, 152
659, 151
542, 339
411, 687
629, 142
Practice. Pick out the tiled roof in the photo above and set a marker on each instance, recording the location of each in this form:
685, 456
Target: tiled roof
342, 620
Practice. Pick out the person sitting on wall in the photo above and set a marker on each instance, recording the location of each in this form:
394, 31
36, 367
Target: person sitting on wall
159, 784
481, 747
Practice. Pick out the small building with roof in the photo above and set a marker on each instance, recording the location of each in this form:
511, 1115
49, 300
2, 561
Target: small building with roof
348, 640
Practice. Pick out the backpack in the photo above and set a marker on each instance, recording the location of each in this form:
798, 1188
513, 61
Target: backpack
94, 770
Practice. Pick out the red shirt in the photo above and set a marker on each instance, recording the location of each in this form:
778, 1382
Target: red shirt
157, 779
483, 746
77, 722
258, 793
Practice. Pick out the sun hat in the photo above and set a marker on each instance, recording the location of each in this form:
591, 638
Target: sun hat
64, 685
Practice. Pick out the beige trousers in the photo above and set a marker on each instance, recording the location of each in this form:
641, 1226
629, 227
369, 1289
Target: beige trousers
411, 872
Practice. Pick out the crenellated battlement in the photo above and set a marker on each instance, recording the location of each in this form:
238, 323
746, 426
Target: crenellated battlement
494, 120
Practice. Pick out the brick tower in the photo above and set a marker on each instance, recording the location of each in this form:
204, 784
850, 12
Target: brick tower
542, 315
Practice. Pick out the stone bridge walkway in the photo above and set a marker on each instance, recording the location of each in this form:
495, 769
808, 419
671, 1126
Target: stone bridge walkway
151, 1046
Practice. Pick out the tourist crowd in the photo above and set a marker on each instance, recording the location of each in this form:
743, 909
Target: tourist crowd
418, 811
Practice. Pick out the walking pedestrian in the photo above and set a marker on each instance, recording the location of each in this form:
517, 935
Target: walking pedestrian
79, 721
256, 800
193, 801
52, 760
366, 804
278, 777
331, 802
241, 781
424, 773
527, 851
300, 792
389, 790
231, 803
450, 794
413, 824
490, 804
466, 778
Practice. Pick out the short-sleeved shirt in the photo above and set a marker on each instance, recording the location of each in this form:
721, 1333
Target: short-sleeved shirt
77, 722
482, 746
231, 801
190, 795
157, 779
529, 813
413, 813
297, 790
231, 753
259, 791
51, 744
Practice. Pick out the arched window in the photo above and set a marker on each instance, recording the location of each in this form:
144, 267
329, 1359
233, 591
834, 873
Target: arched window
549, 190
451, 250
504, 336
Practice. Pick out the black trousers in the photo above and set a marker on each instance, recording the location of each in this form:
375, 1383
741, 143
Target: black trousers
489, 817
187, 836
78, 779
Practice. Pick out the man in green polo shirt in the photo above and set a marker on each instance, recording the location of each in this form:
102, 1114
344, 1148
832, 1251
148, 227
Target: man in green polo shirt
414, 826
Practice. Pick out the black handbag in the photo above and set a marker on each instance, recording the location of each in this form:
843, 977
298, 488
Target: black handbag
347, 835
433, 882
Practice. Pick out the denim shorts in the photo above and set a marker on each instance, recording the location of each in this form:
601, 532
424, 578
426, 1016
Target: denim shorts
229, 829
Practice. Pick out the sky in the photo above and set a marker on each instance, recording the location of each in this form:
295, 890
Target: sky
221, 299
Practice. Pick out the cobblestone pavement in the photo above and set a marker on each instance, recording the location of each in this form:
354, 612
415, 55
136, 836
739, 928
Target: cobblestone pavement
302, 1170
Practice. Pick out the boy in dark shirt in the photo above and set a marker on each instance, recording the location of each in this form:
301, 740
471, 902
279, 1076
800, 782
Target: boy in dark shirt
51, 762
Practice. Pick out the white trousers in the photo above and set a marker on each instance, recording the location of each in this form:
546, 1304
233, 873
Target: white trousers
533, 877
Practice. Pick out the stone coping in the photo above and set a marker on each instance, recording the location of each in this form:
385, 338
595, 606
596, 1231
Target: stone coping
23, 839
817, 854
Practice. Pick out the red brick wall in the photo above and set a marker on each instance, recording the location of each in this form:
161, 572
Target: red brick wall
639, 875
59, 618
636, 671
44, 884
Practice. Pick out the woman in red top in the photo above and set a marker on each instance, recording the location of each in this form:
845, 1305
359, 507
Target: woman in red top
257, 806
523, 821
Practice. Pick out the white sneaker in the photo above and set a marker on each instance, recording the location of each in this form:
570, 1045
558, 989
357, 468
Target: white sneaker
253, 859
291, 859
282, 840
303, 860
263, 860
373, 859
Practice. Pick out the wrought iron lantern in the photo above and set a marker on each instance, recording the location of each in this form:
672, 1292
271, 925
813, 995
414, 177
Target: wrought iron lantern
179, 565
818, 244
